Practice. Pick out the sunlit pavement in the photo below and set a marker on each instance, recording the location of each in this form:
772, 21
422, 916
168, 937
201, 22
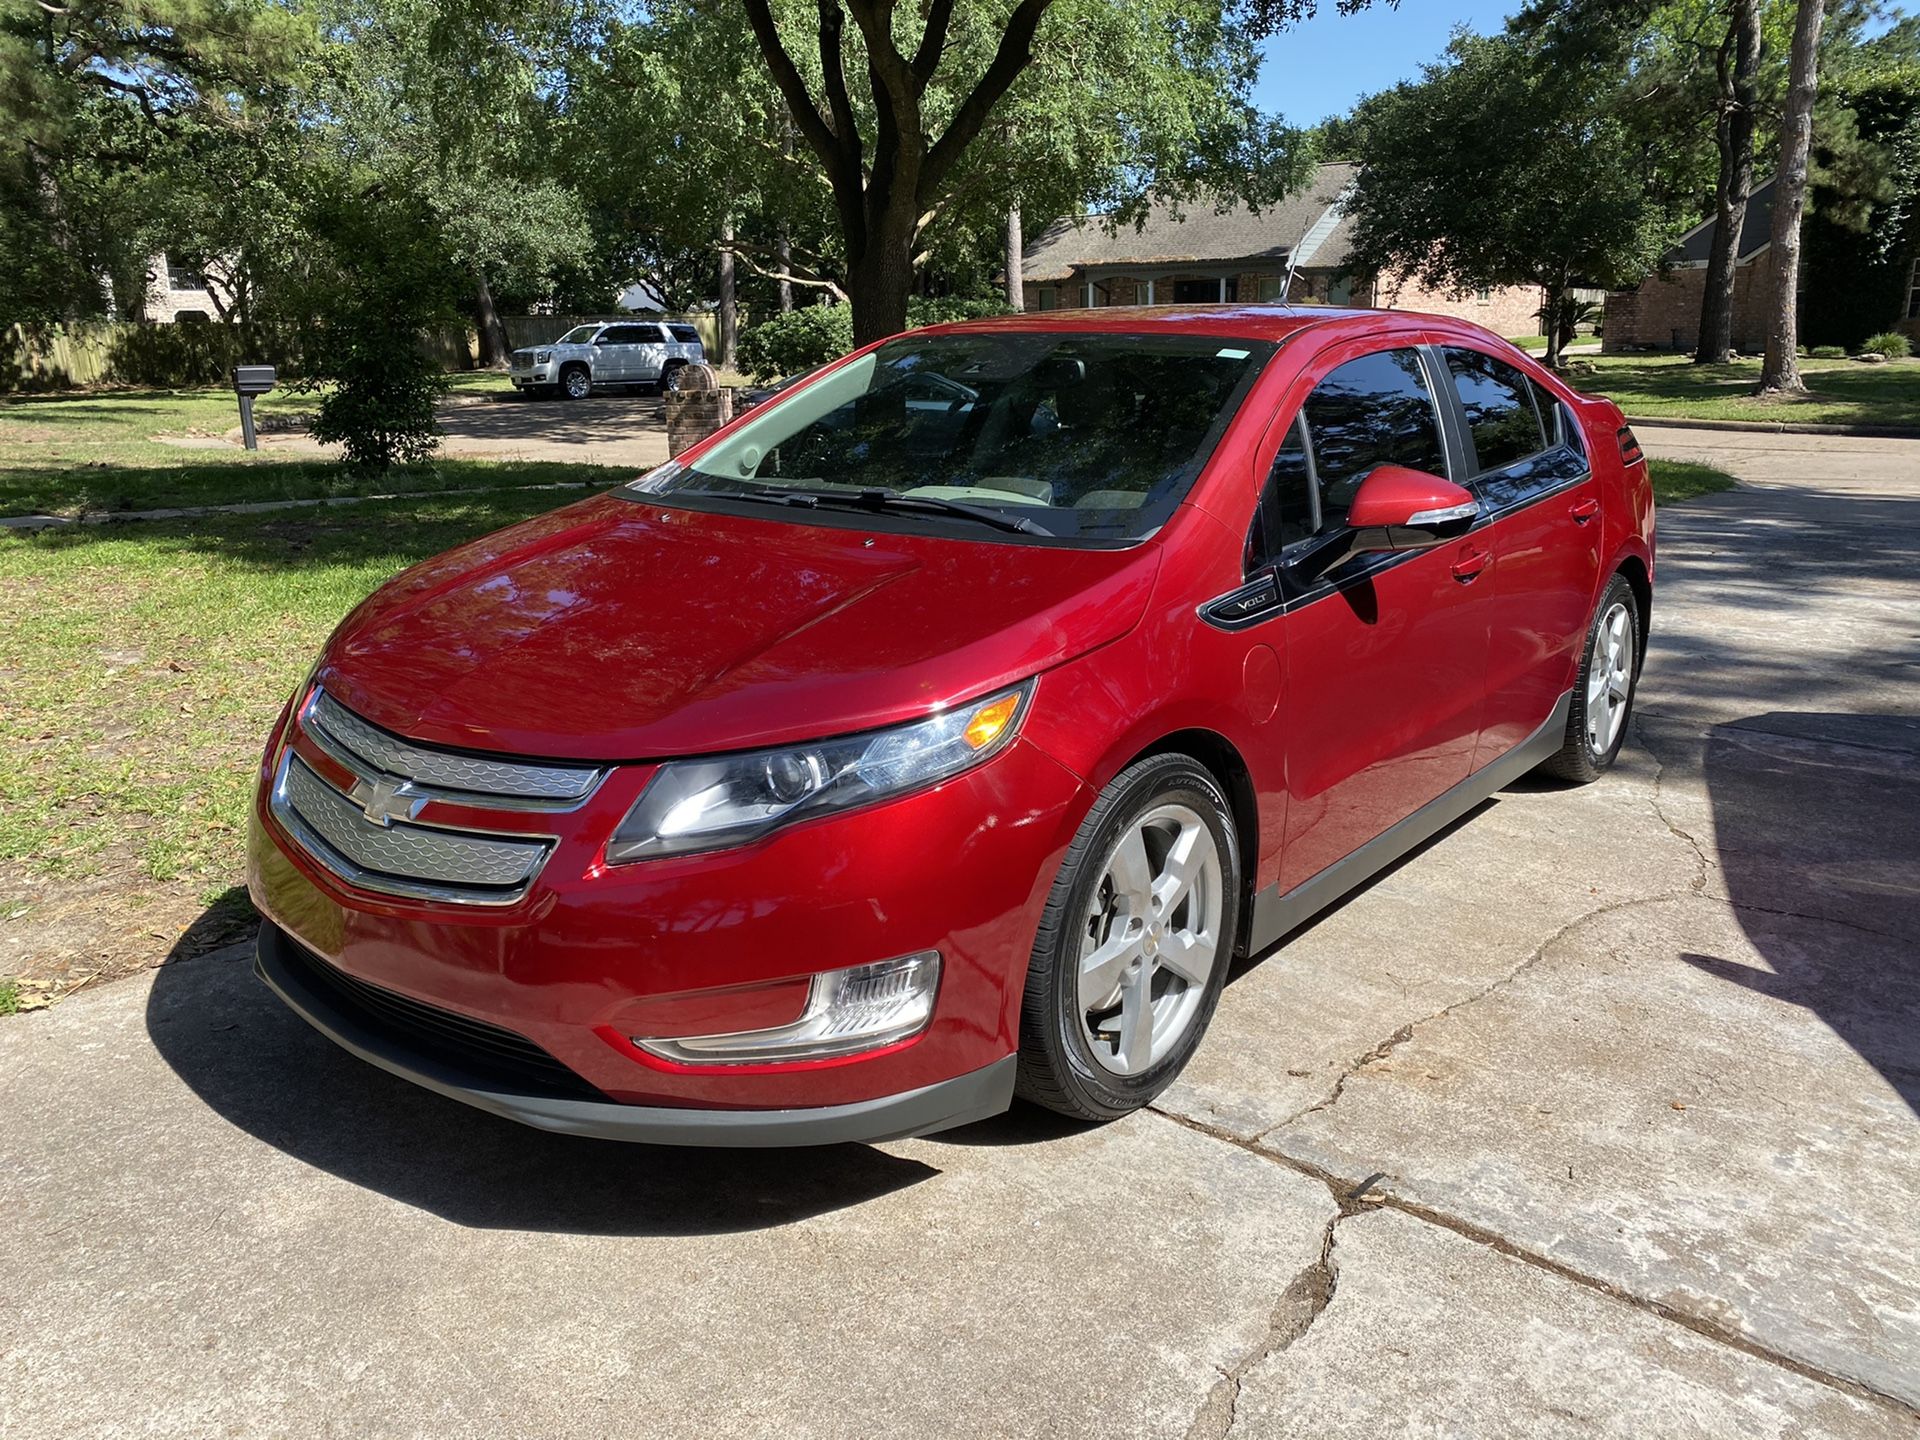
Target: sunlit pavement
1595, 1117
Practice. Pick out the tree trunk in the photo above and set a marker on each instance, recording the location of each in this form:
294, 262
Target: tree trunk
494, 345
1733, 135
786, 269
1555, 327
729, 315
1781, 371
1016, 253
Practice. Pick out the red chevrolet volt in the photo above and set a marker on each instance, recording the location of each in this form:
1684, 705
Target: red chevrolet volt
942, 730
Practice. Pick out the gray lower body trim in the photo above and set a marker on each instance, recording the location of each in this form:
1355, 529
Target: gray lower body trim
976, 1095
1275, 914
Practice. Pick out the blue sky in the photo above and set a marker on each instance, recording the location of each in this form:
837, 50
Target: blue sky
1320, 68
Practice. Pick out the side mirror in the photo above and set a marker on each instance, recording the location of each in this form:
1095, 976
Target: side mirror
1397, 508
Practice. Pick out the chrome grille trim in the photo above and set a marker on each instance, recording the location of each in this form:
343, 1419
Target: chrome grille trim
420, 862
466, 779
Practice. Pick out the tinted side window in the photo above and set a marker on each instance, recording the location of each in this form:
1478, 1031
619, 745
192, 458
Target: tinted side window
1499, 405
686, 334
1373, 411
621, 335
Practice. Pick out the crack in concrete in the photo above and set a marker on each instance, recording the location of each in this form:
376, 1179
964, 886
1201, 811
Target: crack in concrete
1406, 1032
1353, 1199
1660, 767
1304, 1301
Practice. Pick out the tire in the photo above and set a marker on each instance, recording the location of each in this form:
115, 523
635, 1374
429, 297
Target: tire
670, 376
576, 383
1087, 1060
1609, 675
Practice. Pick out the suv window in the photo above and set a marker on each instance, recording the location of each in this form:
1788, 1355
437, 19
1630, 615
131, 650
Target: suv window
1373, 411
685, 334
1498, 401
629, 335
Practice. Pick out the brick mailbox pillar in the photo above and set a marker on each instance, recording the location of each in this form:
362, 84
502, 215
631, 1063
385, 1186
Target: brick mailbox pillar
696, 407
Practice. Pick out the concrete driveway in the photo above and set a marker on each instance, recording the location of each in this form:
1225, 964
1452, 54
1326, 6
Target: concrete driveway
1596, 1117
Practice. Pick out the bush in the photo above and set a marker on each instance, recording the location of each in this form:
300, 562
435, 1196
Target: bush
388, 287
1890, 343
182, 356
1828, 352
796, 342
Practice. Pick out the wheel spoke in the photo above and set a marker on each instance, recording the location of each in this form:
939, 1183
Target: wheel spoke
1189, 954
1135, 1050
1132, 872
1101, 971
1189, 855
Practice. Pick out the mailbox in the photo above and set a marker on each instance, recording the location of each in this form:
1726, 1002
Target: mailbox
249, 381
253, 379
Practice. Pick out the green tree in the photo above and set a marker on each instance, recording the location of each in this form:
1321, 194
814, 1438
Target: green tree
1537, 181
455, 101
921, 124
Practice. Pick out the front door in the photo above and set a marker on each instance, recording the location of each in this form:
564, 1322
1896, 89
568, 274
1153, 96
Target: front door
1385, 653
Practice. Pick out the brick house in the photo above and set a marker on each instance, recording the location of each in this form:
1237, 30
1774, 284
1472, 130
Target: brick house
177, 291
1222, 256
1663, 311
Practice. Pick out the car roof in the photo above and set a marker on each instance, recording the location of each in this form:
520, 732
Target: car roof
1246, 322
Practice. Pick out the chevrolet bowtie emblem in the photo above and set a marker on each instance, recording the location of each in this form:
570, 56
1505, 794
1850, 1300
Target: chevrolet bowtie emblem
384, 801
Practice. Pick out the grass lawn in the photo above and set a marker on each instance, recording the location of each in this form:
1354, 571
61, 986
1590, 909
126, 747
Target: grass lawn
68, 454
1839, 392
1675, 481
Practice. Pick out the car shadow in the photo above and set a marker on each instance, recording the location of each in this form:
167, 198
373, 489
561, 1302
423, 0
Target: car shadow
261, 1068
1816, 818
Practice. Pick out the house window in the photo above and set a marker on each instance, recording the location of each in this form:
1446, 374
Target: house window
1205, 292
1484, 295
1339, 291
1273, 287
181, 276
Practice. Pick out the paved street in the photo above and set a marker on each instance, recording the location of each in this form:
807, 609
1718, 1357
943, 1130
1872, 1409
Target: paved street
1598, 1116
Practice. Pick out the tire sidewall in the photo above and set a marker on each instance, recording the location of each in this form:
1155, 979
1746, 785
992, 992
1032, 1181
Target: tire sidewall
1618, 592
566, 384
1159, 780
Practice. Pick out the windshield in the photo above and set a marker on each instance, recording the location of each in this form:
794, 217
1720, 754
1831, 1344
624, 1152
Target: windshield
578, 335
1090, 435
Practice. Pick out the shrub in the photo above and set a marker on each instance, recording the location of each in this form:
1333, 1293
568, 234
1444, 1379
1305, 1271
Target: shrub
1828, 352
1890, 343
389, 286
796, 342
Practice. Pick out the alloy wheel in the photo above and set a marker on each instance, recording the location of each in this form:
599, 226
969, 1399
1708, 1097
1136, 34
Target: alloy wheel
1151, 939
1609, 679
578, 384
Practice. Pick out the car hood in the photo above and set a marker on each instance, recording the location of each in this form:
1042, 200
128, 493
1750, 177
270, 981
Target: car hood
621, 630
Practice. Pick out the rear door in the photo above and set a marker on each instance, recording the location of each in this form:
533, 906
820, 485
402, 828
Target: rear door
649, 352
1385, 653
1529, 472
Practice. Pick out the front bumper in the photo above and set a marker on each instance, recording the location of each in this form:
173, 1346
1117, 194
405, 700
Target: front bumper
965, 1098
533, 375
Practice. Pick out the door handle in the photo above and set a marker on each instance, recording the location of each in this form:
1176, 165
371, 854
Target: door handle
1584, 511
1468, 567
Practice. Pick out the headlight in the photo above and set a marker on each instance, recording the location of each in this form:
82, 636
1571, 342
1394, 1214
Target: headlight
541, 357
694, 805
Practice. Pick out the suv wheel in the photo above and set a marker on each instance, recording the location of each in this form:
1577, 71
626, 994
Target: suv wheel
575, 382
1603, 694
670, 377
1134, 946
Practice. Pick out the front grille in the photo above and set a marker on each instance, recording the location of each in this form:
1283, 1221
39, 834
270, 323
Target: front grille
414, 852
337, 729
473, 1046
368, 830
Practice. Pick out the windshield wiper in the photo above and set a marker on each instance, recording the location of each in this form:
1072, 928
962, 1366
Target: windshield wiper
884, 500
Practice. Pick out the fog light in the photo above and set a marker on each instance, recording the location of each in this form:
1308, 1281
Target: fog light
862, 1008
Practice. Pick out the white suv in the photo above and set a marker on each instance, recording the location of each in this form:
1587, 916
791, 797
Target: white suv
625, 352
